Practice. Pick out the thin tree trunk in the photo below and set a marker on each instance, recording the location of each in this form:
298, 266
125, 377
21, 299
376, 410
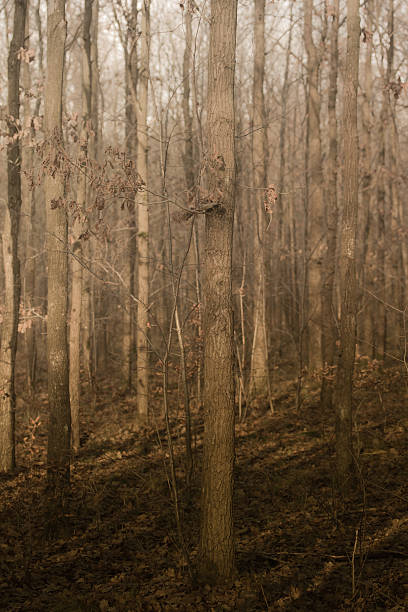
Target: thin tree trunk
329, 335
74, 342
28, 207
259, 376
188, 156
314, 178
345, 368
142, 223
129, 231
367, 238
59, 425
188, 161
380, 337
76, 266
90, 135
195, 147
402, 246
216, 554
285, 302
394, 294
12, 282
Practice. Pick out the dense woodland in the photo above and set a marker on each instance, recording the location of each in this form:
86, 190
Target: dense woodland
203, 305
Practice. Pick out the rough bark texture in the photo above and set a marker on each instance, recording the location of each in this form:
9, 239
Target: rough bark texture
129, 251
367, 237
74, 342
259, 375
329, 269
345, 367
59, 426
189, 160
314, 179
28, 205
11, 262
76, 264
216, 553
88, 144
142, 223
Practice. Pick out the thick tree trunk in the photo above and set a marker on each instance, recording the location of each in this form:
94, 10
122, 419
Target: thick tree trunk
345, 367
216, 539
11, 262
259, 375
142, 223
59, 425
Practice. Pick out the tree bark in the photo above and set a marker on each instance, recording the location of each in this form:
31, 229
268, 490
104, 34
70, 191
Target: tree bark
314, 180
76, 265
88, 145
285, 294
259, 375
329, 327
12, 282
216, 553
59, 425
130, 229
188, 162
29, 214
142, 223
367, 236
345, 367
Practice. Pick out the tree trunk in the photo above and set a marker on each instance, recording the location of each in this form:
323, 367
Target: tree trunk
285, 302
314, 179
259, 376
29, 214
11, 262
345, 367
188, 161
216, 539
329, 329
367, 238
59, 425
142, 223
76, 266
129, 216
91, 136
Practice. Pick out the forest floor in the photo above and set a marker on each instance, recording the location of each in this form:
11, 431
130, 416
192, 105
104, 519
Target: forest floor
299, 547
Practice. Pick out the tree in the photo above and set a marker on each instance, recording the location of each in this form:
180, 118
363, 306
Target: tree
11, 264
130, 52
28, 205
345, 367
59, 425
142, 222
259, 376
314, 191
216, 536
329, 264
76, 264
